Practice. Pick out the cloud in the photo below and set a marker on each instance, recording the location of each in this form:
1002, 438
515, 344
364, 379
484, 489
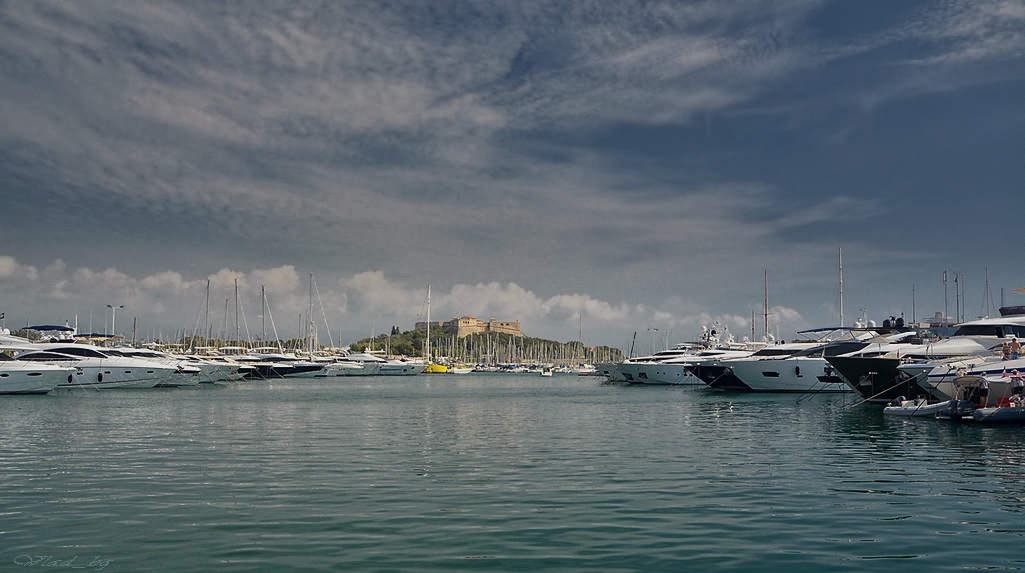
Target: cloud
970, 32
11, 270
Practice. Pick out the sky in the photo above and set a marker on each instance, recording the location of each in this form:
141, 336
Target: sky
593, 169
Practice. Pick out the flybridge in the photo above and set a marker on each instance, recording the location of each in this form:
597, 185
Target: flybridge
50, 328
1012, 310
57, 333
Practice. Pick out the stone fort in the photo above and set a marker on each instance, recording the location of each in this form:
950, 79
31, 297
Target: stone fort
472, 325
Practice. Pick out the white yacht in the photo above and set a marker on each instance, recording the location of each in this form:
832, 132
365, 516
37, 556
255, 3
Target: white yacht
269, 363
984, 336
211, 369
802, 366
384, 367
669, 367
717, 372
646, 369
941, 377
96, 367
681, 370
344, 363
975, 348
187, 372
21, 377
402, 367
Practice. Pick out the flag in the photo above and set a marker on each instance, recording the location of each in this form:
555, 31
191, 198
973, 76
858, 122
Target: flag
1, 316
1004, 373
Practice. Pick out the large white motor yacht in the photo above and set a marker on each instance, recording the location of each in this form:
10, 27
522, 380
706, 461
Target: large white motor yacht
95, 368
21, 377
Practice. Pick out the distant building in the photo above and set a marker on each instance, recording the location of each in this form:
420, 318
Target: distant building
461, 327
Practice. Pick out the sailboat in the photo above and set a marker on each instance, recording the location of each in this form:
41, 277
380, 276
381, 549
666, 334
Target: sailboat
432, 367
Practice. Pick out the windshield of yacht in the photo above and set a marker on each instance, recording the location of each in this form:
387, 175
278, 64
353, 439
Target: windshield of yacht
74, 350
830, 349
774, 351
997, 330
45, 355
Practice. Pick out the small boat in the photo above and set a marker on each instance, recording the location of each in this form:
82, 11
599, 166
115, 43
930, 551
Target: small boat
1005, 412
957, 410
916, 407
547, 371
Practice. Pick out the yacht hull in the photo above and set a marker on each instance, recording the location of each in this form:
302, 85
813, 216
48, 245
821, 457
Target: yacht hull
719, 377
792, 375
31, 378
877, 379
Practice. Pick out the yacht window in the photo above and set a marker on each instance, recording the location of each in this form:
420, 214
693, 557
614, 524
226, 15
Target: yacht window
998, 330
774, 352
843, 348
79, 351
42, 355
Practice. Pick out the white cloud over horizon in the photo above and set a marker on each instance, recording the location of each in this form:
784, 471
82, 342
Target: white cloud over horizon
166, 304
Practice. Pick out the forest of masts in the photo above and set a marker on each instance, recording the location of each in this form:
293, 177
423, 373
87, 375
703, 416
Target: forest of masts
481, 348
495, 348
489, 348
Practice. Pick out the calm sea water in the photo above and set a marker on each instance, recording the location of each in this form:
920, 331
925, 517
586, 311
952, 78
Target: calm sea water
498, 472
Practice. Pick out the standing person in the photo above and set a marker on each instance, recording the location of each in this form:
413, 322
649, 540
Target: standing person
1017, 384
984, 392
1015, 348
1006, 350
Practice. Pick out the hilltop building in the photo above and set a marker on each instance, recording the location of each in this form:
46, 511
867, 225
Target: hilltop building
461, 327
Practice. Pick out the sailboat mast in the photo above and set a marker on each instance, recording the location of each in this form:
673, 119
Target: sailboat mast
914, 310
309, 318
428, 324
988, 299
238, 332
206, 329
765, 306
841, 286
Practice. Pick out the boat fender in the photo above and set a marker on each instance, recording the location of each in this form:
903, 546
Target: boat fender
99, 377
797, 370
71, 378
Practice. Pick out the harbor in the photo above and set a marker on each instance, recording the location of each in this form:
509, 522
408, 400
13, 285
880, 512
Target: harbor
568, 287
